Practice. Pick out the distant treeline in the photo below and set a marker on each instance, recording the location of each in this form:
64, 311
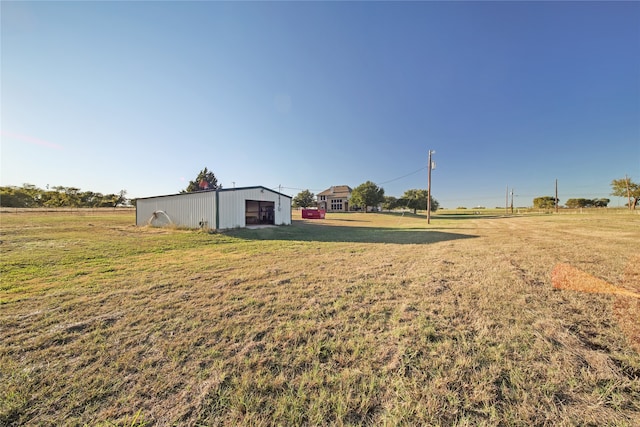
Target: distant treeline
587, 203
30, 196
548, 202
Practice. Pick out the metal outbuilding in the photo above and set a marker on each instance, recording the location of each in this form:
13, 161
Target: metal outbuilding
216, 209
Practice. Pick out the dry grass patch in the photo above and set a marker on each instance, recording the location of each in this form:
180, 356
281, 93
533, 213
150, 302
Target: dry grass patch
627, 305
627, 310
365, 319
565, 276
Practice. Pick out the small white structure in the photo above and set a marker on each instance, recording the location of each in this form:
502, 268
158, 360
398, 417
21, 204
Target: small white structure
216, 209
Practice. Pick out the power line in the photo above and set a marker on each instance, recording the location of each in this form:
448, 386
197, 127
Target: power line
404, 176
380, 183
295, 188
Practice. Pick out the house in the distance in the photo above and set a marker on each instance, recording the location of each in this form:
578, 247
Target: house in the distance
335, 199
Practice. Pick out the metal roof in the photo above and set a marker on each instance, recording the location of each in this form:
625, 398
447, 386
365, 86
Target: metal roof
219, 190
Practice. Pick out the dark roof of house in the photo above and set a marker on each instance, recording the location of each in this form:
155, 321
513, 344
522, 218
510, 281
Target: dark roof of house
337, 191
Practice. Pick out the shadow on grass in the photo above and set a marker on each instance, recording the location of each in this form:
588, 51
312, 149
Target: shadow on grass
469, 216
435, 216
322, 233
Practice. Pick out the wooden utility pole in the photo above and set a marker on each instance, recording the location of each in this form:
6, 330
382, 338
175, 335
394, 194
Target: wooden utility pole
429, 189
512, 201
556, 195
506, 202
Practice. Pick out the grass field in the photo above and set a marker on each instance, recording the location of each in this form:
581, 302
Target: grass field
360, 319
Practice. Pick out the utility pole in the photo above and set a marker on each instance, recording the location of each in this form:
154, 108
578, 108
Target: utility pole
512, 201
556, 195
506, 202
429, 188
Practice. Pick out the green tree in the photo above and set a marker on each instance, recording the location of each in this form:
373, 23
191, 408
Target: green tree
626, 188
545, 202
304, 199
390, 203
578, 203
113, 200
29, 196
587, 203
72, 196
90, 199
34, 193
601, 203
16, 197
122, 198
206, 180
109, 201
417, 199
56, 198
366, 195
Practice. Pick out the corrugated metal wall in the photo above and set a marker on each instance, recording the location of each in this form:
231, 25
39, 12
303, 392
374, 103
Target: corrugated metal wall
283, 210
193, 210
231, 214
232, 206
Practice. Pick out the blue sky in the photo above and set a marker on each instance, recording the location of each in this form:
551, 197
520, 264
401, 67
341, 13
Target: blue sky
143, 95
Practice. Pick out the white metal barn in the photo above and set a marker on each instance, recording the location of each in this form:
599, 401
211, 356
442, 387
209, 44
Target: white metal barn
216, 209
